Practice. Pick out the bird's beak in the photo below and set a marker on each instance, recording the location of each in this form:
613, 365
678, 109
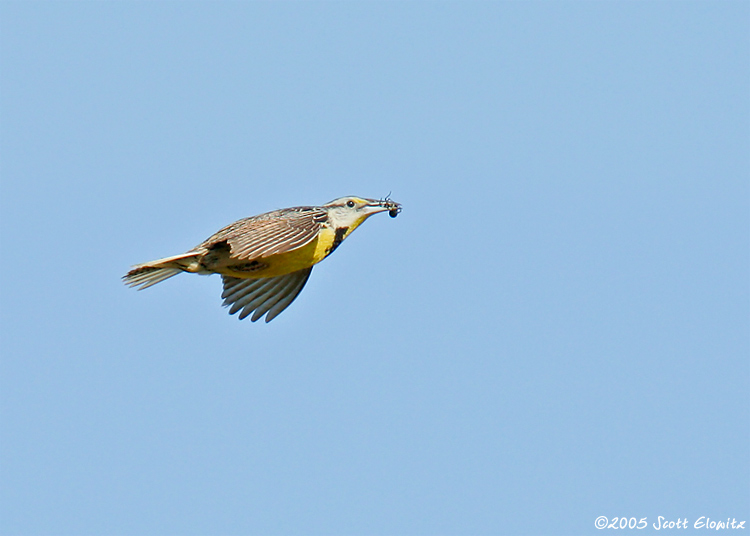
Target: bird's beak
382, 205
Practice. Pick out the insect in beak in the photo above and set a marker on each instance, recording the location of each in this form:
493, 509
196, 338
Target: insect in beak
393, 207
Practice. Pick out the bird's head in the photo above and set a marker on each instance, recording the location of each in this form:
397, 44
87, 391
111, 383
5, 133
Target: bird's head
352, 211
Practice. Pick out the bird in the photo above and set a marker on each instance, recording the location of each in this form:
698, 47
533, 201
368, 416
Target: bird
266, 260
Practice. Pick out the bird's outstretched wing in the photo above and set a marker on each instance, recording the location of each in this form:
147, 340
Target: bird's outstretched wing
269, 295
271, 233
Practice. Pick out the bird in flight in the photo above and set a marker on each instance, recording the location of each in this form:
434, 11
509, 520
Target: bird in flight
265, 260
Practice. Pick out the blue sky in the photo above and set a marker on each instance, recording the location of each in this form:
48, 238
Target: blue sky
556, 327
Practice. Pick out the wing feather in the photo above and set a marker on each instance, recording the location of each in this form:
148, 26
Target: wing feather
232, 284
271, 233
269, 295
277, 296
237, 298
290, 296
243, 288
249, 294
267, 246
249, 302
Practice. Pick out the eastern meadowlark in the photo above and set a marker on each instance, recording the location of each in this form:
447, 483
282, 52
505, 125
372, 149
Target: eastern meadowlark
265, 260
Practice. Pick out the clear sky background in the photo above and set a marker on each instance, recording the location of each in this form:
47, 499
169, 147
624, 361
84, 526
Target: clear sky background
556, 327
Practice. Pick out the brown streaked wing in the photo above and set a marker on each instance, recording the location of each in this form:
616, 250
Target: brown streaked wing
268, 234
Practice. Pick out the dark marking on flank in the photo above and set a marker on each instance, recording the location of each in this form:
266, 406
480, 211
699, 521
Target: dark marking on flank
252, 266
337, 239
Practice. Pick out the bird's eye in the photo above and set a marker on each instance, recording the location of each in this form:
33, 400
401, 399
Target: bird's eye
350, 204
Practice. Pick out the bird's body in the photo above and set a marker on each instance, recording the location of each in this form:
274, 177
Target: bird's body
265, 260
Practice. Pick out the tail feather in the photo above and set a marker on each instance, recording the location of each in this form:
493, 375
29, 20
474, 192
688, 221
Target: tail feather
150, 273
